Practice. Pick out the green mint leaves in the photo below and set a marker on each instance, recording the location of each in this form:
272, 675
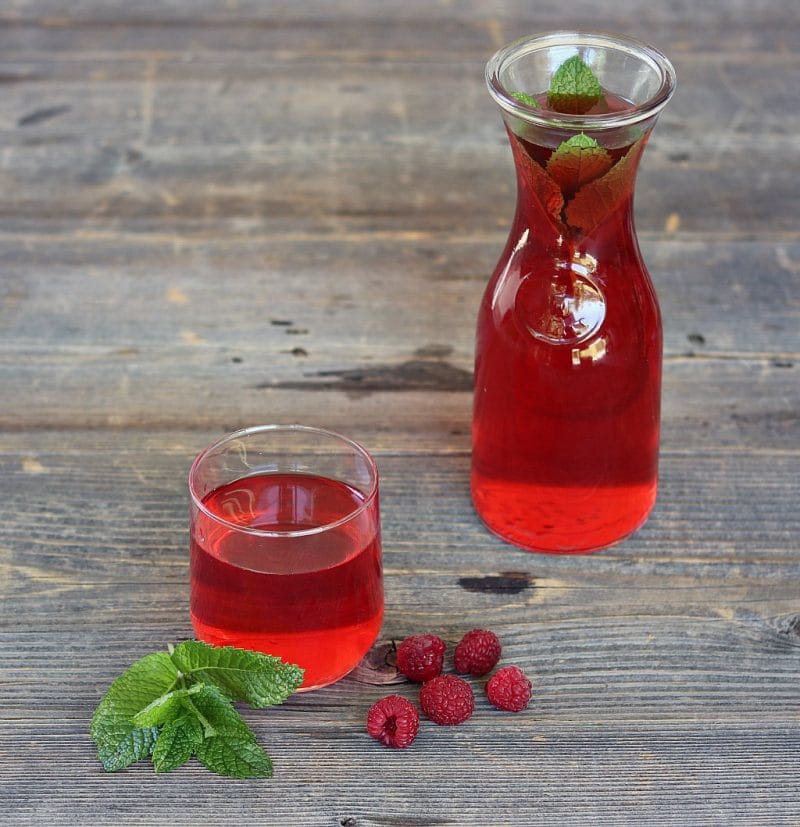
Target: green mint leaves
602, 195
528, 100
581, 183
177, 742
172, 705
119, 740
261, 680
574, 89
576, 162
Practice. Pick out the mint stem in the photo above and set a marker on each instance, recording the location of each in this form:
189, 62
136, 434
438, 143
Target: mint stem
208, 730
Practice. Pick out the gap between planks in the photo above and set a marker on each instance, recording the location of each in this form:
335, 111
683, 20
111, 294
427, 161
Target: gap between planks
321, 57
228, 237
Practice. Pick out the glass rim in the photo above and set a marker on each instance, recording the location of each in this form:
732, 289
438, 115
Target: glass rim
541, 117
369, 497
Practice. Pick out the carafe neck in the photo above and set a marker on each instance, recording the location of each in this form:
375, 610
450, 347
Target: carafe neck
573, 191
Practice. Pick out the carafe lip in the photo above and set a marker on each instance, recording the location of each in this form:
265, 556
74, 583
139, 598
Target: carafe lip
611, 120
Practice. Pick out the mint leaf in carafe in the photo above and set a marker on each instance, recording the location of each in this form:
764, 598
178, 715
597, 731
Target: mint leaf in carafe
574, 89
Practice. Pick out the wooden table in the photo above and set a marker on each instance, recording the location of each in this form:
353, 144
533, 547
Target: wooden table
222, 214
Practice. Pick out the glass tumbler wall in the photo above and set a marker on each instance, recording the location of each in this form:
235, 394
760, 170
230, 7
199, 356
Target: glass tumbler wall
286, 548
568, 351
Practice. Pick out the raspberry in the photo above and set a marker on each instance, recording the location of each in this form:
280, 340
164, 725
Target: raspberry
420, 657
509, 689
393, 721
477, 653
447, 700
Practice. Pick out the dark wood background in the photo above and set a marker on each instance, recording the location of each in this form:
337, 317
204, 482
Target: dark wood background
217, 214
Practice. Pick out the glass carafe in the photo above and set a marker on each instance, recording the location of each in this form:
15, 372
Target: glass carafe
568, 350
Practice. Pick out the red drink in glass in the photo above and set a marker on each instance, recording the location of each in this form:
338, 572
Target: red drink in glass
288, 562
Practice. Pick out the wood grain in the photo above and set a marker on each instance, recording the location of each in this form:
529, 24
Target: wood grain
220, 214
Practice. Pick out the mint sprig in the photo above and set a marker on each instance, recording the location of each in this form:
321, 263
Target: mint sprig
574, 89
176, 704
581, 183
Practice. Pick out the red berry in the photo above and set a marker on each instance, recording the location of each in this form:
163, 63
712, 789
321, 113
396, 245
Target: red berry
477, 653
420, 657
509, 689
447, 700
393, 721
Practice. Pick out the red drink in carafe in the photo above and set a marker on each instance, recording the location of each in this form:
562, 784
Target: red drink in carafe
568, 351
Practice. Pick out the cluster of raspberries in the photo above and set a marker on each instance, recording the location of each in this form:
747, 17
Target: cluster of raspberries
446, 699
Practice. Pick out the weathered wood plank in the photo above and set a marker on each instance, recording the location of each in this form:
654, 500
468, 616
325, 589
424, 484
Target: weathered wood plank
705, 403
729, 379
362, 29
118, 516
356, 300
210, 156
530, 774
635, 672
220, 191
637, 719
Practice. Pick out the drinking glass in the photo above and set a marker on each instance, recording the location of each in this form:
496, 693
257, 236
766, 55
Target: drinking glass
286, 547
